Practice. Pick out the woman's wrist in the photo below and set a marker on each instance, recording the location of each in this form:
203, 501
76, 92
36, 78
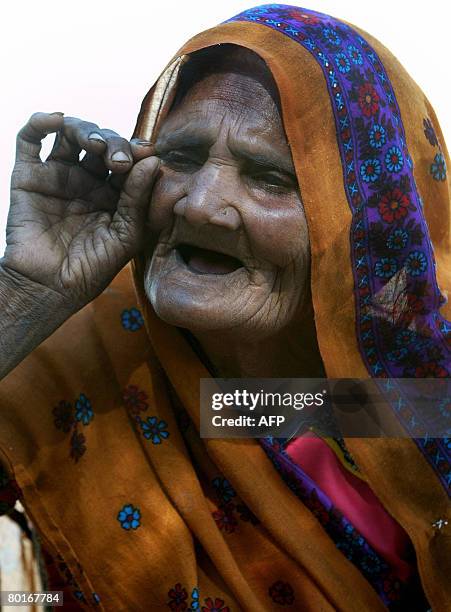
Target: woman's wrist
29, 313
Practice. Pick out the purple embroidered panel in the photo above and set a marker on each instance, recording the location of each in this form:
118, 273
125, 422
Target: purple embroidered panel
400, 330
346, 537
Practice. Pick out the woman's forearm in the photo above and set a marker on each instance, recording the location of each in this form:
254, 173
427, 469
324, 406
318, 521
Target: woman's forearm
29, 313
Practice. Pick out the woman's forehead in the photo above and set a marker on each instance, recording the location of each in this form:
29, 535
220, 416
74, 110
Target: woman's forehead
236, 102
225, 59
243, 96
230, 107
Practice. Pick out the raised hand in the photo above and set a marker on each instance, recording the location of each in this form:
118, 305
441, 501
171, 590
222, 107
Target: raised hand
72, 225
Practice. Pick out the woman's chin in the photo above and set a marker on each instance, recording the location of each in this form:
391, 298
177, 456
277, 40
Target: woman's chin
196, 311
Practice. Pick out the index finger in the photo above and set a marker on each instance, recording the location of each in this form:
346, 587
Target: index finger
29, 139
141, 148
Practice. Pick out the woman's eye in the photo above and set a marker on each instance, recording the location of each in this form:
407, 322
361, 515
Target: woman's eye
275, 182
180, 160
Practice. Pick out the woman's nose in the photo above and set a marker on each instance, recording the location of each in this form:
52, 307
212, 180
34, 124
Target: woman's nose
211, 197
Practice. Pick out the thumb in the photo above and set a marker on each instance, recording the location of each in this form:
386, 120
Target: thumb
128, 223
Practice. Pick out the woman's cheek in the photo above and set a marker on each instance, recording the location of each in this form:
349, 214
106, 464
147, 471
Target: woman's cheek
279, 232
169, 188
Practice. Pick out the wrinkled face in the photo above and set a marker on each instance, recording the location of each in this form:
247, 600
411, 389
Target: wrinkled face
229, 234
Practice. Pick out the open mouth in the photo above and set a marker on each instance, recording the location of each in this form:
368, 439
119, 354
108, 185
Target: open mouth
204, 261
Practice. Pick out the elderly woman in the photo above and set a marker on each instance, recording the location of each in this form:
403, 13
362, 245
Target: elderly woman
297, 182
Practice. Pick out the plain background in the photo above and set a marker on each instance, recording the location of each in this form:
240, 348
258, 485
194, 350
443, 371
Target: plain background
96, 59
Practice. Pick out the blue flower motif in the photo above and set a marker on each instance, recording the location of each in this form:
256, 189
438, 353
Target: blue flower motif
353, 536
397, 354
397, 240
416, 263
371, 564
154, 430
385, 267
406, 336
129, 517
377, 136
438, 168
83, 410
195, 599
132, 319
331, 36
349, 529
370, 170
355, 55
223, 488
394, 159
343, 64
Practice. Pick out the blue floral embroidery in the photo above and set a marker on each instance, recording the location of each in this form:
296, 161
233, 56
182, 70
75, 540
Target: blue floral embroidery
377, 136
83, 410
129, 517
438, 168
370, 170
397, 240
195, 599
385, 267
132, 319
355, 55
394, 159
397, 354
405, 336
416, 263
331, 36
223, 488
154, 430
343, 64
371, 564
351, 532
68, 420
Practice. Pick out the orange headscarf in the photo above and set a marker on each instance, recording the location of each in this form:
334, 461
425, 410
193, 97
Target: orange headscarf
131, 504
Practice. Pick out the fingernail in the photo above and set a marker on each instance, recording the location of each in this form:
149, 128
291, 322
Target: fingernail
121, 157
96, 136
57, 113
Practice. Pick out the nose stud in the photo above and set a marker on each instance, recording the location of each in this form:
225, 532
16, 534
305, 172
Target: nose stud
227, 217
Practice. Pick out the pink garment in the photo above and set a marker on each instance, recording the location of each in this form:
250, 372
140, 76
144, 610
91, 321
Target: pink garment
354, 498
